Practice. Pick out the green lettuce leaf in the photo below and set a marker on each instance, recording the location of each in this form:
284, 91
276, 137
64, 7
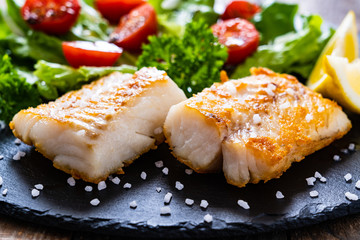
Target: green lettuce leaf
26, 43
193, 62
56, 79
15, 92
90, 26
294, 52
175, 14
4, 29
274, 20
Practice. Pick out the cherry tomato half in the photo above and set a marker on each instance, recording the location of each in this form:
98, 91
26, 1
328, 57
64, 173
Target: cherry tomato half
135, 27
97, 54
239, 36
113, 10
51, 16
240, 9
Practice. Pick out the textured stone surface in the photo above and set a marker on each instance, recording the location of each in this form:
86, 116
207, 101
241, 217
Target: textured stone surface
67, 207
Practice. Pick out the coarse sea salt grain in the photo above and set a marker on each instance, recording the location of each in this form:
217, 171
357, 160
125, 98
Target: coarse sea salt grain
189, 171
4, 192
256, 119
269, 92
179, 186
279, 195
336, 158
35, 193
204, 204
101, 185
309, 117
116, 180
159, 164
167, 198
143, 175
1, 181
323, 179
39, 186
165, 210
95, 202
17, 141
321, 109
189, 201
314, 194
344, 151
351, 196
165, 171
158, 189
284, 105
357, 184
88, 188
243, 204
351, 147
127, 185
317, 175
17, 156
348, 177
71, 181
208, 218
133, 204
1, 157
310, 181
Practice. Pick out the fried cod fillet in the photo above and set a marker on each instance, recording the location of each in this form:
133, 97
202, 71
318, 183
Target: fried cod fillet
253, 128
104, 126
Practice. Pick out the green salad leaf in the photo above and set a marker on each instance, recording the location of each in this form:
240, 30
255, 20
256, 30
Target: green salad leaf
175, 14
15, 92
55, 79
26, 43
274, 20
294, 52
90, 26
193, 62
4, 29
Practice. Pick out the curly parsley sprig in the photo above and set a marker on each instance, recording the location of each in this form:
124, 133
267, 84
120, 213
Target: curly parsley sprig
193, 62
15, 92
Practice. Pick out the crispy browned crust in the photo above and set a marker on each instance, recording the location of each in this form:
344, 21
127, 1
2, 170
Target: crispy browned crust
218, 104
81, 110
84, 110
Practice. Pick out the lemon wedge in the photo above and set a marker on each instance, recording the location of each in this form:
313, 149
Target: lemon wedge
344, 43
343, 84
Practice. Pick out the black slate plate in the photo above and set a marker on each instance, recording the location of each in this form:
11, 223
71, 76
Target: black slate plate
68, 207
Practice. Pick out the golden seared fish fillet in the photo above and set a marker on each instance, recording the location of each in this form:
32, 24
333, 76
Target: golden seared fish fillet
254, 127
104, 126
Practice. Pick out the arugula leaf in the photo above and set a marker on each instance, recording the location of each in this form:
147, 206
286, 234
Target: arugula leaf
173, 15
55, 79
274, 20
295, 52
15, 92
193, 62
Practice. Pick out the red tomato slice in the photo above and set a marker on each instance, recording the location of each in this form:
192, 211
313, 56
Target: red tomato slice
51, 16
239, 36
97, 54
113, 10
135, 27
240, 9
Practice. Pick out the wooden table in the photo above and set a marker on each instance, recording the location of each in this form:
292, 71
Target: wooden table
348, 227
